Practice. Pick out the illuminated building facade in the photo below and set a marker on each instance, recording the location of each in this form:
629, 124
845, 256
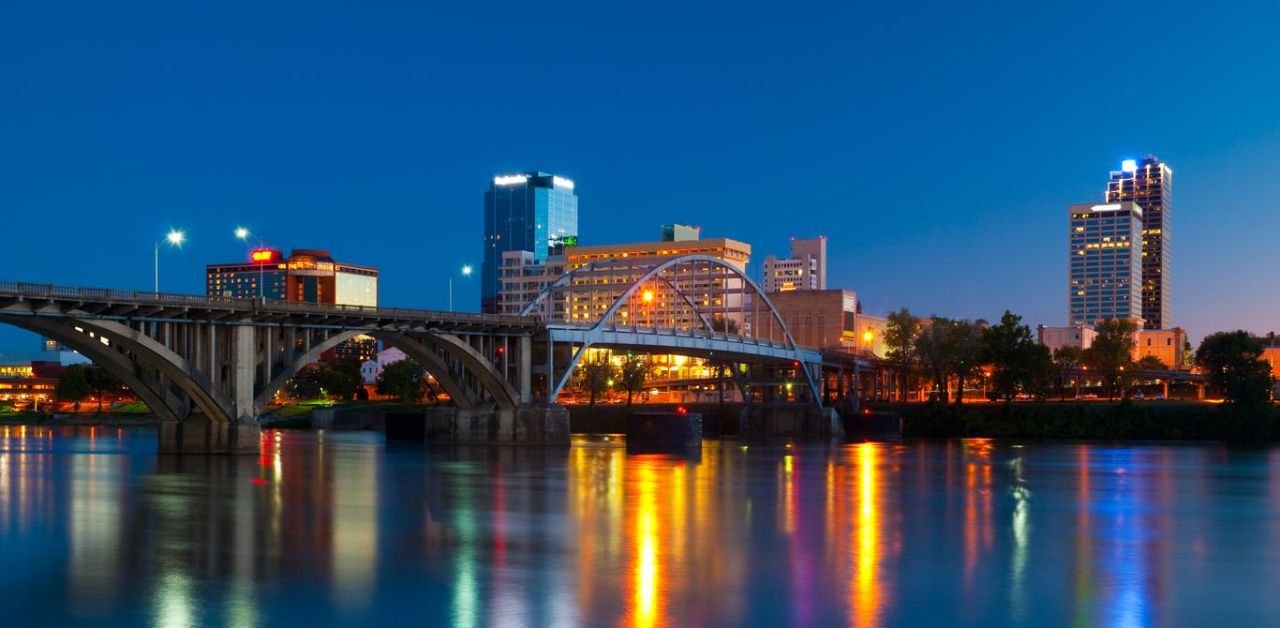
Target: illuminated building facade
532, 211
830, 319
806, 269
523, 278
1168, 345
307, 275
1149, 183
653, 306
1105, 268
264, 274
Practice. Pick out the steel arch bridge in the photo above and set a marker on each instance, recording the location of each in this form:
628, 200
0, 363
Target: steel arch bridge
694, 305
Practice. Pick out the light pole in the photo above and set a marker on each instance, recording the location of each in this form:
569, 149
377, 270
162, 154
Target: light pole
466, 272
242, 234
175, 237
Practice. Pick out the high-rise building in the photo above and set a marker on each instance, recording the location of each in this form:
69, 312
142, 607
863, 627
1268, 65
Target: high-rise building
1149, 183
532, 211
806, 269
1105, 269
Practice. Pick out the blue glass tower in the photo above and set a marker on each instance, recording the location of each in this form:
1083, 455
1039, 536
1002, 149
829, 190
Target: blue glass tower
531, 211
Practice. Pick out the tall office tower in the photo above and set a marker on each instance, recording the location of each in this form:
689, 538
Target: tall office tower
806, 269
1149, 183
1105, 271
532, 211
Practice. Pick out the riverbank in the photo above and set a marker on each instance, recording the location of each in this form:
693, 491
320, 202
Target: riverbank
1154, 420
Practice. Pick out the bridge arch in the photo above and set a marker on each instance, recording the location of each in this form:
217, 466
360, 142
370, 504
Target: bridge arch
662, 272
432, 350
121, 357
700, 290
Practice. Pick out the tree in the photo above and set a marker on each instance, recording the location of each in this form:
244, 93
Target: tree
1151, 363
1018, 362
73, 385
306, 383
900, 339
340, 378
1066, 364
932, 352
1112, 354
101, 381
1233, 361
964, 352
595, 375
404, 379
634, 371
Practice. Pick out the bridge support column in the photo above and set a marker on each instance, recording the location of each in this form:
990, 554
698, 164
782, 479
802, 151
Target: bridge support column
197, 434
525, 374
541, 425
793, 420
244, 358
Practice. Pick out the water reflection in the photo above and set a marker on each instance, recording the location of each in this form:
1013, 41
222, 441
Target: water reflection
337, 529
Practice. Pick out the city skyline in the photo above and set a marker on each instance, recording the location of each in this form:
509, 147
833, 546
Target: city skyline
149, 148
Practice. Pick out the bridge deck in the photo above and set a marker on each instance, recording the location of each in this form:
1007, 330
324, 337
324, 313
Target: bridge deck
104, 303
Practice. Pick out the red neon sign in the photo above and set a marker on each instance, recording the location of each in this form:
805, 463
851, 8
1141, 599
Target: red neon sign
264, 256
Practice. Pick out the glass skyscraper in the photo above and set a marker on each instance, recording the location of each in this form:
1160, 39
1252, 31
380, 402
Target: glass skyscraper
1106, 262
1149, 183
531, 211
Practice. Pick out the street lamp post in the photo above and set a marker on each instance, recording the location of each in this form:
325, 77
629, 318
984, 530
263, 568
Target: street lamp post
466, 272
175, 237
242, 234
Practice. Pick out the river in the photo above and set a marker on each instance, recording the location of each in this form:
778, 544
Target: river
337, 528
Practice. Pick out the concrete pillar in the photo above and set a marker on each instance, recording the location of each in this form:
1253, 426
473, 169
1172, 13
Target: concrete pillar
244, 358
525, 374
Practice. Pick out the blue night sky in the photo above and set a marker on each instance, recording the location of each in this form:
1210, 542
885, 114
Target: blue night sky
936, 146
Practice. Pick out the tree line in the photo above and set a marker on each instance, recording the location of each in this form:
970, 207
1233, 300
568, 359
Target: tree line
941, 350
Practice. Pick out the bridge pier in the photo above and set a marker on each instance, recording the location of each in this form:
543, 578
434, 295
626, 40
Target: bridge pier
789, 420
197, 434
530, 424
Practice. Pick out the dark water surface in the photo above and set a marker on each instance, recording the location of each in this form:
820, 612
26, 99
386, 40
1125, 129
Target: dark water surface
338, 529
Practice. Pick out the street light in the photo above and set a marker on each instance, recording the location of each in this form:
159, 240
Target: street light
242, 234
175, 238
466, 272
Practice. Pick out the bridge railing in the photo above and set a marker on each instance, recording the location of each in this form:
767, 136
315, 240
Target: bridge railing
52, 291
686, 332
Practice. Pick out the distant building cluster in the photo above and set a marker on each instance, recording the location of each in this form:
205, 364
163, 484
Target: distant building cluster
1119, 263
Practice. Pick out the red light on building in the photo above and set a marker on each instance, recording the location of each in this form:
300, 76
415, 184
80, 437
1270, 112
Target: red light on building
264, 256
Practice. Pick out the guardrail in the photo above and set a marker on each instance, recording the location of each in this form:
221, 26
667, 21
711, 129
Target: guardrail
51, 291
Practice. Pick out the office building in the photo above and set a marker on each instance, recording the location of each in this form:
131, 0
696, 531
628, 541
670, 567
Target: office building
806, 269
830, 319
1149, 184
1167, 345
1105, 268
533, 211
1054, 338
679, 233
524, 277
262, 275
308, 276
